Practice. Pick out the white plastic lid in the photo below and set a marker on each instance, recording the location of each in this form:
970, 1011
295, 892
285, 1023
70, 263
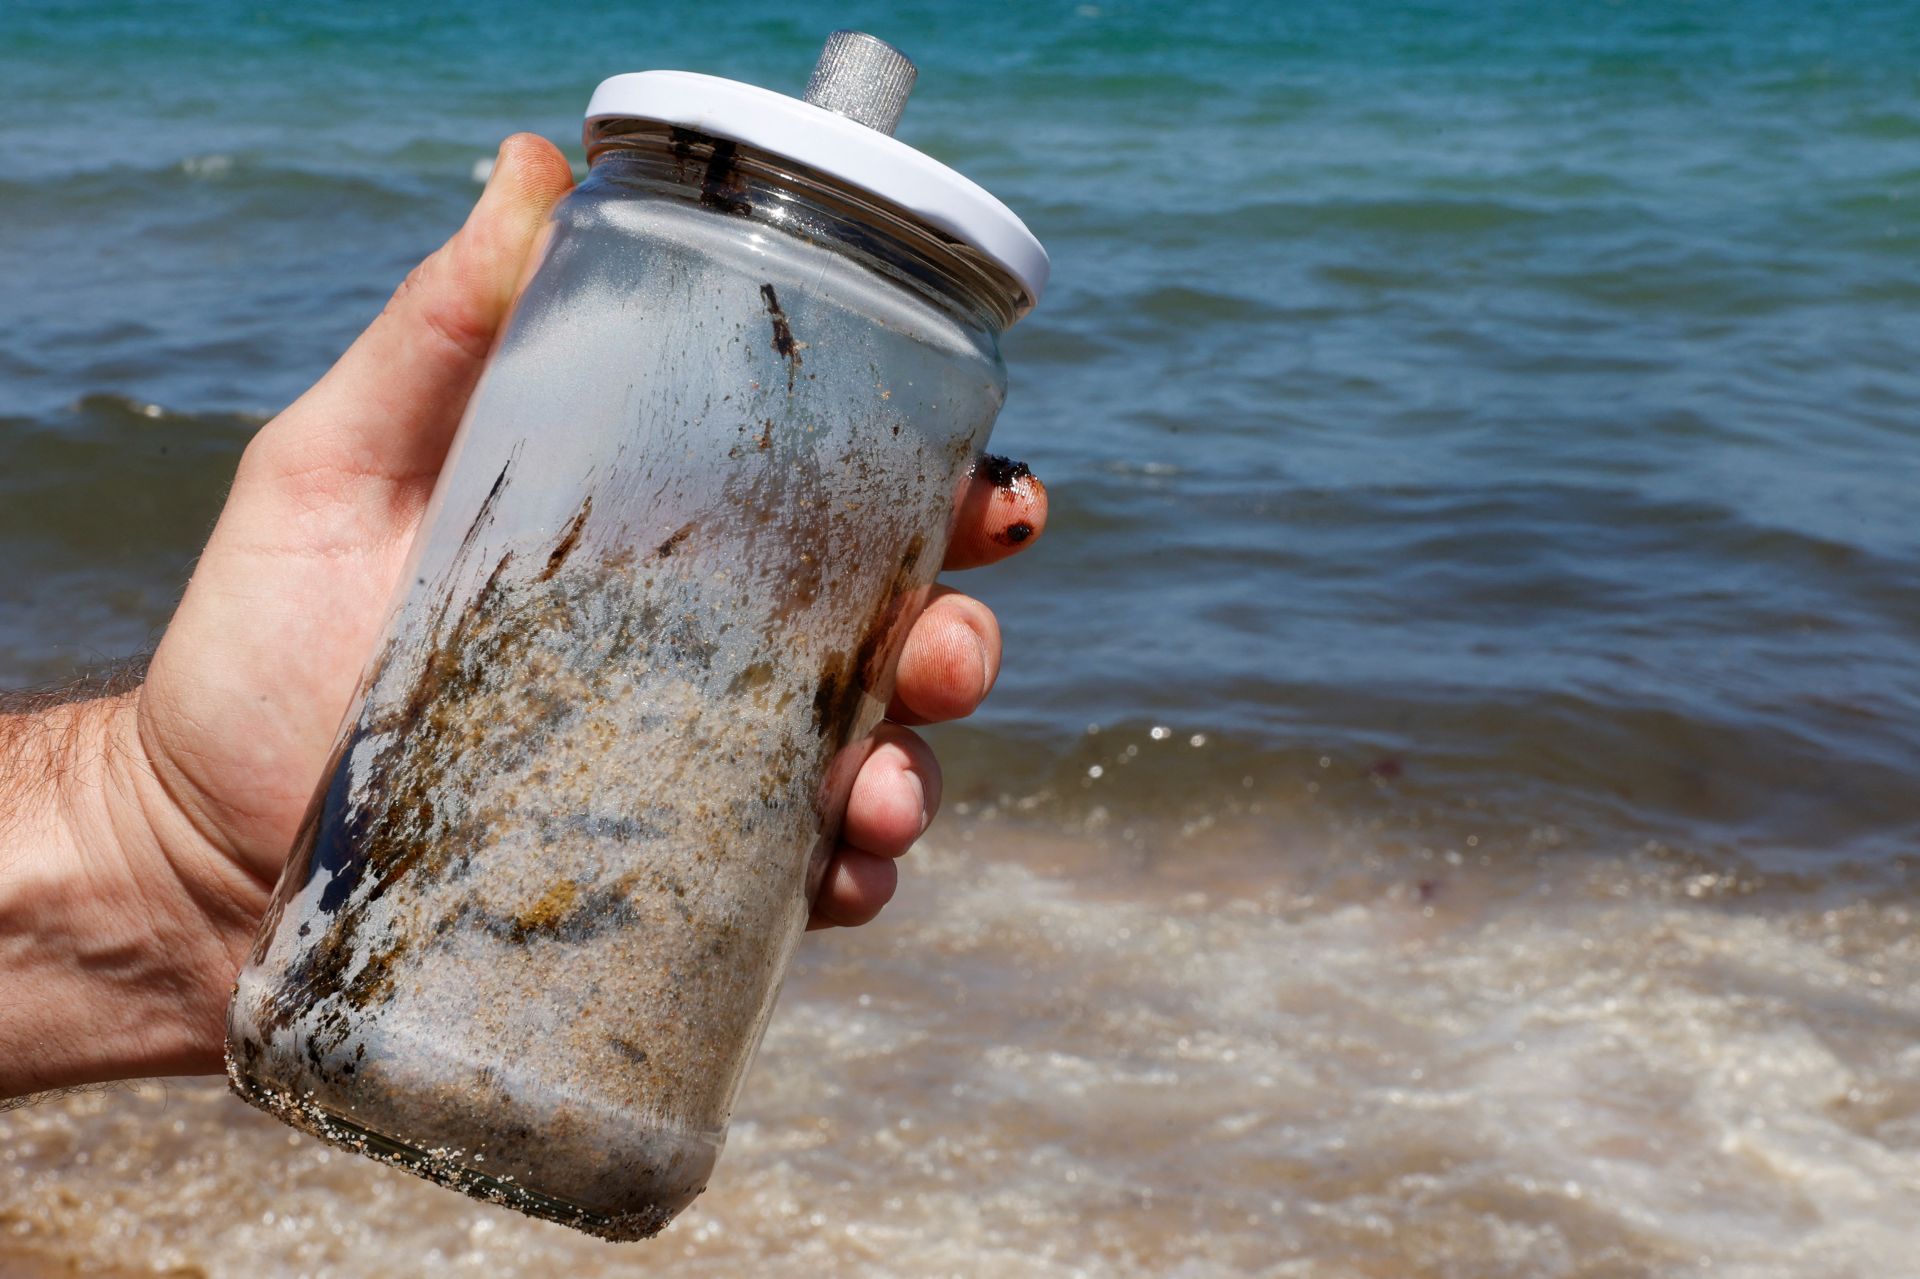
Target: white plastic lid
836, 146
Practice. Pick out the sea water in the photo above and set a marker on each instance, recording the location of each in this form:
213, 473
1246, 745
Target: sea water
1449, 808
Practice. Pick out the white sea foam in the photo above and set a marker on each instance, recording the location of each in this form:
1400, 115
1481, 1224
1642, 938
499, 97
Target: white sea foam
207, 166
1236, 1058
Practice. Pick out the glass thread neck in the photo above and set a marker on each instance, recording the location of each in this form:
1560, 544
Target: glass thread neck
743, 181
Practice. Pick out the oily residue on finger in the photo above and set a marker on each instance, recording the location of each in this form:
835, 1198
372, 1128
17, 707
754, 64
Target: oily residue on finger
1013, 480
1002, 472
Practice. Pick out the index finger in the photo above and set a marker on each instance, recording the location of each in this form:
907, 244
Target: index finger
1003, 512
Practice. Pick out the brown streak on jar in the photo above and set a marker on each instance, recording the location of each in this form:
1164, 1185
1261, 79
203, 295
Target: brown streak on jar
549, 912
666, 549
394, 833
848, 677
783, 342
568, 540
720, 185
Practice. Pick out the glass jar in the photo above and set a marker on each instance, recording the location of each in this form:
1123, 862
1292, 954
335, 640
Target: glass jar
534, 924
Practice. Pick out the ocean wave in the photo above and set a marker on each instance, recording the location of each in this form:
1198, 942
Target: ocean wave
252, 189
1042, 341
1786, 788
161, 473
103, 508
1187, 304
1890, 125
1431, 216
207, 166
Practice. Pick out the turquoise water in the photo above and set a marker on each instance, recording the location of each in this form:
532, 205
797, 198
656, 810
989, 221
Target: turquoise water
1484, 438
1442, 382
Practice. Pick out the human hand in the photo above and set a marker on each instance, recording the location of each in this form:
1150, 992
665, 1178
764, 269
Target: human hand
210, 765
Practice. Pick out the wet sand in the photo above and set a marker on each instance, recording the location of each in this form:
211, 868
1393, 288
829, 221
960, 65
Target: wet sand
1265, 1046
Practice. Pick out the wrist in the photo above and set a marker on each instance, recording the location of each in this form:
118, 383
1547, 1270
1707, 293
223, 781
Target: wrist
102, 951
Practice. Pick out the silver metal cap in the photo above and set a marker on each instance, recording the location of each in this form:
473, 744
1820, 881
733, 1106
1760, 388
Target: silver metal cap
863, 78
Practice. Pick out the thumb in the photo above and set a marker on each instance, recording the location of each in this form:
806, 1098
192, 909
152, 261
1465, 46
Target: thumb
389, 407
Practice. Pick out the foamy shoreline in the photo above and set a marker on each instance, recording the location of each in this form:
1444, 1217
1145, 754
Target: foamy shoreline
1227, 1057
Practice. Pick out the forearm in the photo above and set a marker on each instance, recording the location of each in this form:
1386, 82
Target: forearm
93, 937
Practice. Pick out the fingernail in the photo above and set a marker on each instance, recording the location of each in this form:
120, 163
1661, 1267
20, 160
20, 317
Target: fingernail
495, 169
986, 666
920, 795
499, 163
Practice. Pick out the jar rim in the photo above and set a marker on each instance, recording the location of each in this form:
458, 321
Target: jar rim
745, 181
832, 144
